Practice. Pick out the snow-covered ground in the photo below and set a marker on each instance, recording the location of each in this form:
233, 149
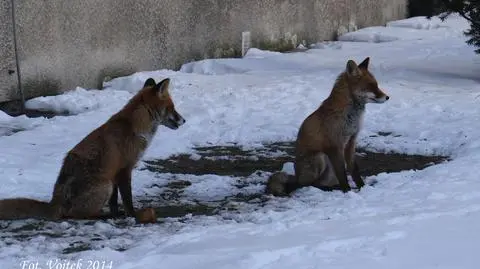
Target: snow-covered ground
411, 219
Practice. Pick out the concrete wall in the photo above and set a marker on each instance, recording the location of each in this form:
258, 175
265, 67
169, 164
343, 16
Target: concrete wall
63, 44
8, 66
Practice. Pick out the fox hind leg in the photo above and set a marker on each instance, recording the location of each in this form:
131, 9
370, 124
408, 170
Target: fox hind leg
317, 170
327, 180
89, 202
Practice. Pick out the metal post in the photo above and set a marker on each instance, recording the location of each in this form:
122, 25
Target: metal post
16, 56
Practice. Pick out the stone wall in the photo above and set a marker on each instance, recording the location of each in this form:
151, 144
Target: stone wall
63, 44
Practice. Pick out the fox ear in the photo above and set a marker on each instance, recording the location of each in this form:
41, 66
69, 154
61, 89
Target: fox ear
162, 88
364, 64
150, 82
352, 69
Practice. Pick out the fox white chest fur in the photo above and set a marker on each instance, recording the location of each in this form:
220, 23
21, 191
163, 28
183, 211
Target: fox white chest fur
147, 138
353, 119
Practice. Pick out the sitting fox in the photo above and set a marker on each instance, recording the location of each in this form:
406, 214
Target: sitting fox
102, 162
326, 140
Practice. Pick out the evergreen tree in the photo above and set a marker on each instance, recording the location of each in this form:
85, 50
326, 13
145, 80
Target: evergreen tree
470, 10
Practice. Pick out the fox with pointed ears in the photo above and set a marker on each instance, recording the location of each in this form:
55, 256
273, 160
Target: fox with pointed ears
101, 164
325, 145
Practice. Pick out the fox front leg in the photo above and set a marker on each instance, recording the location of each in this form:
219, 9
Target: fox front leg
124, 181
356, 175
338, 162
352, 164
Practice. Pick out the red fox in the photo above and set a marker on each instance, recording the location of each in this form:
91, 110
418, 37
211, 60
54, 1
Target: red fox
101, 164
326, 139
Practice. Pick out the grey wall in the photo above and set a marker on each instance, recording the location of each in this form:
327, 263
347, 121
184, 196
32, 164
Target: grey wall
8, 79
63, 44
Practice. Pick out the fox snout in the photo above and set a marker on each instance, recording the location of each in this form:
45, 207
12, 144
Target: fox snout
174, 120
377, 96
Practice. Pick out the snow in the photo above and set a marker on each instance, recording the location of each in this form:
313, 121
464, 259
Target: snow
76, 101
227, 66
407, 30
410, 219
421, 23
10, 125
288, 168
379, 34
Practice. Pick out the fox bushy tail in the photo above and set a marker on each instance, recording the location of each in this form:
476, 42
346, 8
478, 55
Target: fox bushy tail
23, 208
282, 184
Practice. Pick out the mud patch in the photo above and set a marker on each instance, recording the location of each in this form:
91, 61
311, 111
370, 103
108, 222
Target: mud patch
235, 161
10, 130
33, 113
